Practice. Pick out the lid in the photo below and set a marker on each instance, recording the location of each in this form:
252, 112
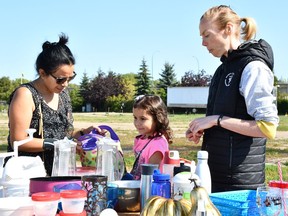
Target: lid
45, 196
61, 213
182, 177
171, 157
148, 169
284, 185
182, 168
202, 155
89, 143
158, 176
278, 184
73, 194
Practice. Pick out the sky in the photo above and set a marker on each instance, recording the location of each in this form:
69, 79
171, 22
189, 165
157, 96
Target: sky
117, 35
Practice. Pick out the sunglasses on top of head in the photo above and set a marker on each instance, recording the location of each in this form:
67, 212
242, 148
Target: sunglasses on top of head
61, 80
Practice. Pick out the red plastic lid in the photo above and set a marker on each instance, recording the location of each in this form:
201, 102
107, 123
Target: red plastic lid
284, 185
61, 213
171, 157
45, 196
279, 184
73, 194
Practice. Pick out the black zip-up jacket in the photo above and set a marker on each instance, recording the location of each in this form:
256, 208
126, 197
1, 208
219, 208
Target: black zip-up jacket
236, 161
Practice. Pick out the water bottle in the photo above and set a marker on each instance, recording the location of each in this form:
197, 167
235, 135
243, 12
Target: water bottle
182, 186
203, 171
181, 168
147, 171
171, 160
161, 185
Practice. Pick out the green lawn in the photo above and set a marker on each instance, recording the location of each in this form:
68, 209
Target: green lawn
276, 149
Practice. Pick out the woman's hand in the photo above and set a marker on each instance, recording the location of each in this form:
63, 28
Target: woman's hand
195, 138
79, 149
197, 127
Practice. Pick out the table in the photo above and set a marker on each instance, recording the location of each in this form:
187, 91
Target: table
128, 213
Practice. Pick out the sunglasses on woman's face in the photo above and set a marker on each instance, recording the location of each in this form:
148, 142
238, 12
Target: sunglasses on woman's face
61, 80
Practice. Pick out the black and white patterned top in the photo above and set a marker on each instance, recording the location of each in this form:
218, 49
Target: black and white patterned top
56, 123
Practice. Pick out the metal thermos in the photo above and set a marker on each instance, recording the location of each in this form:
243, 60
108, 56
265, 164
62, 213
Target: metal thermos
147, 171
203, 171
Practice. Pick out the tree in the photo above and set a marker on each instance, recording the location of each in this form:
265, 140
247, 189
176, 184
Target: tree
143, 80
168, 79
84, 87
200, 79
5, 88
76, 98
102, 86
129, 81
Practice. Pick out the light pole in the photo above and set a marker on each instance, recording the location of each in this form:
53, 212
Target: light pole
197, 63
22, 76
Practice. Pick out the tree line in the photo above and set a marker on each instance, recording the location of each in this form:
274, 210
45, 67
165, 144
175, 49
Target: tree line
112, 92
116, 92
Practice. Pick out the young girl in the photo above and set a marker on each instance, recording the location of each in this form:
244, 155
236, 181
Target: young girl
151, 121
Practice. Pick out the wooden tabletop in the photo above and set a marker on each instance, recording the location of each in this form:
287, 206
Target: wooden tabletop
128, 213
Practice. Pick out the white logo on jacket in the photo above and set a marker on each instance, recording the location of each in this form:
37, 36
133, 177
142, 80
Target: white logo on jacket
228, 79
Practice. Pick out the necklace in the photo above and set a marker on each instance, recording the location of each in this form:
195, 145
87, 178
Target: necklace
135, 165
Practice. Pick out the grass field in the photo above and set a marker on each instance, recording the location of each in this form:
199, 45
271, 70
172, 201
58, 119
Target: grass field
122, 123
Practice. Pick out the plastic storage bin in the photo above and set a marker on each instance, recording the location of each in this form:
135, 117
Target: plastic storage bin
73, 201
45, 203
238, 203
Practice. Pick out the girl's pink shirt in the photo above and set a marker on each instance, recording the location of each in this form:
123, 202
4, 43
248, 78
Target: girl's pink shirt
156, 144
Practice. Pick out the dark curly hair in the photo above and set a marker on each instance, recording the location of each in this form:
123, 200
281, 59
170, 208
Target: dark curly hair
155, 106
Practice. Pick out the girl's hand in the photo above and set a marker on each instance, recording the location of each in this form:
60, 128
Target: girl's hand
91, 128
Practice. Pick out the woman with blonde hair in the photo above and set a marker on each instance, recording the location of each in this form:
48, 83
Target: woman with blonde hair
240, 112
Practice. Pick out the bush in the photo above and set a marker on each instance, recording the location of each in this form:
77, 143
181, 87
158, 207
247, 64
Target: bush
282, 105
118, 104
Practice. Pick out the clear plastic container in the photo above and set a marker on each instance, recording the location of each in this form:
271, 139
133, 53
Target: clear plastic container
45, 203
73, 201
283, 187
64, 162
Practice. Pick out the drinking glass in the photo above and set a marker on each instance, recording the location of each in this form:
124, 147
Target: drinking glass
96, 188
268, 201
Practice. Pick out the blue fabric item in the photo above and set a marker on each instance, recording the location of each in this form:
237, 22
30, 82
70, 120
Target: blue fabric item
70, 186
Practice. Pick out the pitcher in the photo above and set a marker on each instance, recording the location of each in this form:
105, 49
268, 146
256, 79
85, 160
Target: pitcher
108, 159
64, 163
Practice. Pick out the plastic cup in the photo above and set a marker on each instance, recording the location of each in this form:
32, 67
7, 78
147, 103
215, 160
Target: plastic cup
112, 194
45, 203
73, 201
268, 200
